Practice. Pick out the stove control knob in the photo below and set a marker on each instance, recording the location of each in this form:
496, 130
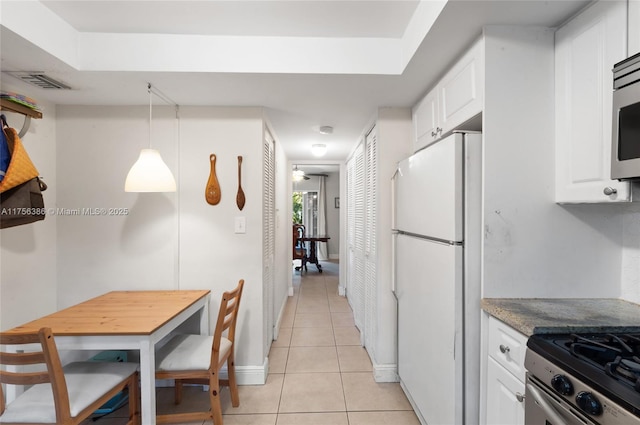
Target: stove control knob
589, 403
561, 384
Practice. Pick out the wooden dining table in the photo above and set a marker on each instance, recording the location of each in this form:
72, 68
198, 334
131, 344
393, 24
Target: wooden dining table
313, 251
127, 320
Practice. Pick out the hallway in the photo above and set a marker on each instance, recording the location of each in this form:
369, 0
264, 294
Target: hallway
318, 372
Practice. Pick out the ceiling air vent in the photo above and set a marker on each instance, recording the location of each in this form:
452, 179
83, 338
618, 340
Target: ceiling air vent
41, 80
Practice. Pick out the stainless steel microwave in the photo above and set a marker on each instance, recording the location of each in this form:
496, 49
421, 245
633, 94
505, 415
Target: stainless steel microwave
625, 143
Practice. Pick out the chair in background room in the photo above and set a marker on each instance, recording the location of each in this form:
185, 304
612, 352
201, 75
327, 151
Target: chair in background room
197, 359
59, 395
299, 248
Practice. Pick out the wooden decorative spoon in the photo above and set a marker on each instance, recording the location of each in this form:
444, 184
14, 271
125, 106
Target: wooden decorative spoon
212, 191
240, 199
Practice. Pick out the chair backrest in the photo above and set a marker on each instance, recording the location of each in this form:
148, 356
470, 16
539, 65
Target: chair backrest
298, 248
227, 318
47, 357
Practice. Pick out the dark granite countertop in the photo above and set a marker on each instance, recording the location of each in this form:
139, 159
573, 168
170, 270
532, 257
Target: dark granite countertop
561, 315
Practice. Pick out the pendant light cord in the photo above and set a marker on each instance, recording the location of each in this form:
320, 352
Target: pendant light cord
150, 108
164, 98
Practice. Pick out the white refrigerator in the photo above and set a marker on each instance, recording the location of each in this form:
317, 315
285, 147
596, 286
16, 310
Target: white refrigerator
437, 206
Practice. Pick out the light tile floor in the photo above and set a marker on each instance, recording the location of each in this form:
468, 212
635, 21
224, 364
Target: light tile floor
319, 374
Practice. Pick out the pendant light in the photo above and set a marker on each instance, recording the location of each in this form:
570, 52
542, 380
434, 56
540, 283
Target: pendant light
150, 173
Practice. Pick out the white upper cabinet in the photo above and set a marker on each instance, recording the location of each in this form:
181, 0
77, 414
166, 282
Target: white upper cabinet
460, 91
585, 51
425, 120
456, 98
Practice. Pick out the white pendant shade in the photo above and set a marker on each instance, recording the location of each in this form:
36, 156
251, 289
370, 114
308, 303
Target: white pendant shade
150, 174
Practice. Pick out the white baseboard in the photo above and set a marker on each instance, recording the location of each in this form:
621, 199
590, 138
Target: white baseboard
245, 375
385, 373
252, 375
334, 256
342, 291
291, 291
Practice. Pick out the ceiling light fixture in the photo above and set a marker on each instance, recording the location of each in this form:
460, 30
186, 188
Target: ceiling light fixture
318, 149
326, 129
150, 173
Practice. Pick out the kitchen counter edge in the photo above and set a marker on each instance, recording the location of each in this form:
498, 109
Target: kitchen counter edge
565, 315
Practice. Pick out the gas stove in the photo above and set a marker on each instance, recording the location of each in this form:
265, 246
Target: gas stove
592, 377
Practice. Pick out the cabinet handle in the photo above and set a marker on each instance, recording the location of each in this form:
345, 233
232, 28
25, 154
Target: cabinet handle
439, 130
610, 191
504, 349
520, 397
434, 133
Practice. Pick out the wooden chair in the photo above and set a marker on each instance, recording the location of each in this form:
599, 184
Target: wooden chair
197, 359
60, 395
299, 249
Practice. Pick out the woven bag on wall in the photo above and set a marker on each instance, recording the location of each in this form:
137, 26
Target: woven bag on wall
21, 200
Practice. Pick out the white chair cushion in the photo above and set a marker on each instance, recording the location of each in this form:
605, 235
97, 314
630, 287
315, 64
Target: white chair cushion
189, 352
86, 382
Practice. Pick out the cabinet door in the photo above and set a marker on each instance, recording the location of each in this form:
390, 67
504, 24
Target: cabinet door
505, 402
425, 121
460, 93
585, 52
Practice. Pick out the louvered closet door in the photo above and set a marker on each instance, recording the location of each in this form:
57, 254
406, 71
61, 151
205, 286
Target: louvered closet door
350, 230
357, 237
268, 214
370, 253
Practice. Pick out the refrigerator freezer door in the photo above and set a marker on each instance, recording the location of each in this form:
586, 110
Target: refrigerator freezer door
429, 191
430, 359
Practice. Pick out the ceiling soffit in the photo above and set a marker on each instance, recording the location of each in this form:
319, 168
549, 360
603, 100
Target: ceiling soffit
337, 52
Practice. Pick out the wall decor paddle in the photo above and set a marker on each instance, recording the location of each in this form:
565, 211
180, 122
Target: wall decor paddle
212, 191
240, 199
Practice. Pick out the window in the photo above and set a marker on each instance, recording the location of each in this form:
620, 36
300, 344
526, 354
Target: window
305, 210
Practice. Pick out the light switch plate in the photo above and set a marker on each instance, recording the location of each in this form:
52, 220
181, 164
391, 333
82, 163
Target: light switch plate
240, 225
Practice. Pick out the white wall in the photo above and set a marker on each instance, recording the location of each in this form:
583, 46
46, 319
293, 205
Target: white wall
167, 241
137, 250
630, 289
28, 252
333, 215
633, 45
532, 246
395, 143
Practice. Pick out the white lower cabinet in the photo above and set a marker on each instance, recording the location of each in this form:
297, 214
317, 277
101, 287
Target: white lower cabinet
504, 385
505, 402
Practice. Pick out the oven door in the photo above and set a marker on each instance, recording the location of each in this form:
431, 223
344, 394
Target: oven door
625, 149
542, 407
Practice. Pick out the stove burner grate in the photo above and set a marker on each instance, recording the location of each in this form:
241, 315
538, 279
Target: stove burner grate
617, 355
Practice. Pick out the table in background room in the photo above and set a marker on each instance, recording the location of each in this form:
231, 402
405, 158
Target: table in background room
313, 252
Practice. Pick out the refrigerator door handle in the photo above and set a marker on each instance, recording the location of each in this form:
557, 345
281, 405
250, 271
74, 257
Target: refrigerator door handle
393, 198
394, 232
394, 238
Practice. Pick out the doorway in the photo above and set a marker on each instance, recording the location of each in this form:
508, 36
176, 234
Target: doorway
315, 195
